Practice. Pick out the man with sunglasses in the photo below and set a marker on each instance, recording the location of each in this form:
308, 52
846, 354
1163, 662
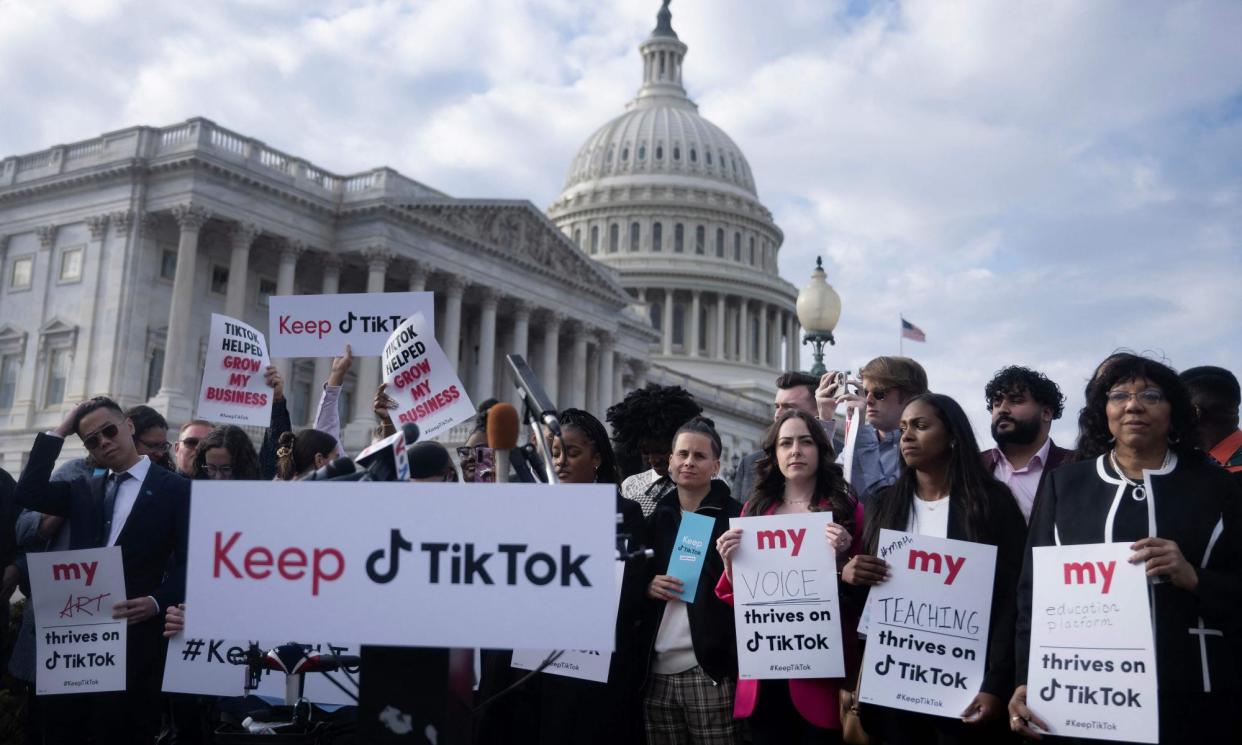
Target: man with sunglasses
887, 384
143, 510
192, 433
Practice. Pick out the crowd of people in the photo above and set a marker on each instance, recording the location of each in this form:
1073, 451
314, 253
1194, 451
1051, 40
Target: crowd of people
1157, 464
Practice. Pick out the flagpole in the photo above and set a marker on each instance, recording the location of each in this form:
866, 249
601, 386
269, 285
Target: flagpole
901, 338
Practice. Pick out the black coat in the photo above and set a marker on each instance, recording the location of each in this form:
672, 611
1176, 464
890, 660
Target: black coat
154, 538
1200, 507
711, 619
1005, 528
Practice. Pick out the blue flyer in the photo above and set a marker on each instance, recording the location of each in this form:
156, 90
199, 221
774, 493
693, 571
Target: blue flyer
690, 551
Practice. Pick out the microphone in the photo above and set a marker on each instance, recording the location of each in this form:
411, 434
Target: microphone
502, 436
342, 466
525, 465
386, 460
533, 394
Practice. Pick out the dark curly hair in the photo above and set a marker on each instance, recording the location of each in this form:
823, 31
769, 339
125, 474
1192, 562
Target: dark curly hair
240, 450
1094, 437
648, 415
593, 428
831, 491
970, 484
1016, 380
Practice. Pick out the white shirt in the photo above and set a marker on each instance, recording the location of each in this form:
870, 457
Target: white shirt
1023, 482
929, 518
126, 495
674, 647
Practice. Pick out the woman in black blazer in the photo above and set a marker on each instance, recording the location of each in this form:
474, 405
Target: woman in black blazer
944, 491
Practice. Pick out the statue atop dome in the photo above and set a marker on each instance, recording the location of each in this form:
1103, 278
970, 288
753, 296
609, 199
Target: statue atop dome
664, 22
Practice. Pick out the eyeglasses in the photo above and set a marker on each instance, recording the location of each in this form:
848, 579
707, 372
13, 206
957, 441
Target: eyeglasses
213, 471
91, 441
877, 395
158, 447
1147, 397
473, 453
190, 442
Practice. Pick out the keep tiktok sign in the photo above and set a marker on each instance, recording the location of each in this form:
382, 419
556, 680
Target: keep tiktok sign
927, 638
1092, 670
79, 647
785, 604
438, 565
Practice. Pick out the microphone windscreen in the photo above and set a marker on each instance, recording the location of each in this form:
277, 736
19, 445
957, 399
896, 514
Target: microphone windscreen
502, 427
410, 432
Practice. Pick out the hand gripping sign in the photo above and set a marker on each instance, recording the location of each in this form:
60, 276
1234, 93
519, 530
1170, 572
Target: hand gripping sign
514, 566
321, 325
785, 604
421, 380
927, 640
79, 647
1092, 670
234, 390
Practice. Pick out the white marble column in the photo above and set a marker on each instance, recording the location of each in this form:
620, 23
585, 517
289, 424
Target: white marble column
242, 235
763, 335
592, 375
695, 300
285, 273
577, 392
331, 285
607, 350
418, 277
549, 371
667, 323
520, 346
618, 381
484, 373
172, 399
795, 343
92, 257
720, 326
640, 375
453, 289
743, 336
358, 432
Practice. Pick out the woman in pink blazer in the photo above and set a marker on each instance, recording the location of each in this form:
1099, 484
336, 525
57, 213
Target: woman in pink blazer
796, 474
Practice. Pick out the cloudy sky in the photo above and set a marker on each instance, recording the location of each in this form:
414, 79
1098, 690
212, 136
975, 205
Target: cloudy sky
1029, 182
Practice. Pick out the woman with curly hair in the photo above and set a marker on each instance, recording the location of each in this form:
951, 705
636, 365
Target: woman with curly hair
1143, 481
796, 474
226, 453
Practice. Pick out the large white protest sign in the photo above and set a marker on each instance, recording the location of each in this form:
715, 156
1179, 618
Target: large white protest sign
509, 566
321, 325
421, 380
1092, 670
234, 390
927, 640
785, 604
79, 647
585, 664
216, 667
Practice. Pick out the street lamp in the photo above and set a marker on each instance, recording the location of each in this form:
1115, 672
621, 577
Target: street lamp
819, 309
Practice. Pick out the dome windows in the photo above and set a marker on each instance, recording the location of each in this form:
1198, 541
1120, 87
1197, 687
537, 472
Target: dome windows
625, 153
657, 237
720, 243
635, 231
642, 151
659, 152
700, 240
609, 157
679, 238
594, 239
614, 238
676, 153
694, 155
708, 154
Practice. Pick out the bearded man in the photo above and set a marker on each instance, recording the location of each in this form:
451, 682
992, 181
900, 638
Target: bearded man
1023, 404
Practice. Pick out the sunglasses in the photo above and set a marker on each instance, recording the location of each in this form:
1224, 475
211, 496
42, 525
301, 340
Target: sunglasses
877, 395
470, 452
91, 441
190, 442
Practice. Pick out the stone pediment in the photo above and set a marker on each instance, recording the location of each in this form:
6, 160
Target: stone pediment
517, 230
56, 326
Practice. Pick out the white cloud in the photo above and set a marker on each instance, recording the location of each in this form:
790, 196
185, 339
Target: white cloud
1030, 182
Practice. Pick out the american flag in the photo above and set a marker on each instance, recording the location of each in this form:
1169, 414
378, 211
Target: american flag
912, 332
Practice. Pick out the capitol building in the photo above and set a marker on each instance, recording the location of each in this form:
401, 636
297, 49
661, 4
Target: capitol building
656, 263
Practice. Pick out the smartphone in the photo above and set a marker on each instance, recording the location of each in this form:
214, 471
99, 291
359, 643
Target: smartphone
485, 465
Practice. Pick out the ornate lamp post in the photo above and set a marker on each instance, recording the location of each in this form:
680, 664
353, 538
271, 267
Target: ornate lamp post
819, 309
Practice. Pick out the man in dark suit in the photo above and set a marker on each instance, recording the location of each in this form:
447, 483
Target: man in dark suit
1023, 404
145, 511
795, 391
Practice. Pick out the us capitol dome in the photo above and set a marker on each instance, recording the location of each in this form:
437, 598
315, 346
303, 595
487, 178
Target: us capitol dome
668, 200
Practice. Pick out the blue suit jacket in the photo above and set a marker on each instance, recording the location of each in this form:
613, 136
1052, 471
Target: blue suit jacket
154, 539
